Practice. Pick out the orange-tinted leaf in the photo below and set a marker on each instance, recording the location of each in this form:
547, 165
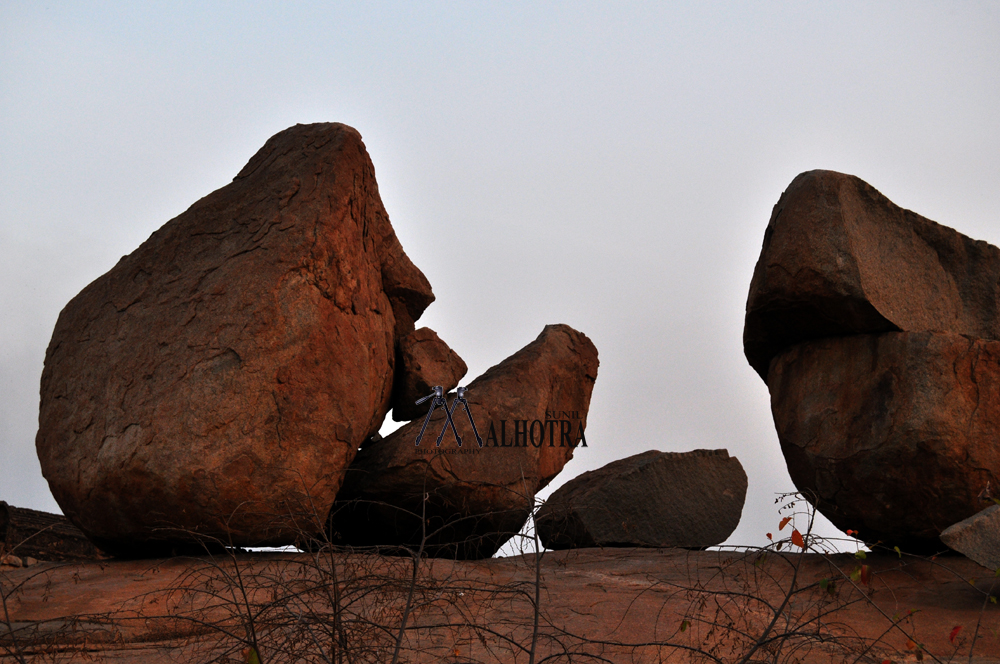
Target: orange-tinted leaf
954, 632
851, 533
797, 539
784, 522
910, 645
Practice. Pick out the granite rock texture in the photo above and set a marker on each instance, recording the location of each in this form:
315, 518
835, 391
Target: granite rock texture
423, 361
893, 434
220, 378
839, 258
529, 411
977, 537
876, 331
653, 499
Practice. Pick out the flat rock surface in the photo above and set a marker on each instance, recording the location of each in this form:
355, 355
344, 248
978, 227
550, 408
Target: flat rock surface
476, 497
839, 258
221, 377
895, 434
625, 605
658, 499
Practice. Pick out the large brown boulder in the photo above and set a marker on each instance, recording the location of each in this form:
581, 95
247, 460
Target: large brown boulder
840, 258
653, 499
894, 435
219, 379
530, 410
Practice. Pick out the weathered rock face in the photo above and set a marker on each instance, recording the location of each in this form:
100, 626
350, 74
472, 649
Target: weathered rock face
839, 258
653, 499
222, 376
895, 433
40, 535
529, 410
977, 537
423, 361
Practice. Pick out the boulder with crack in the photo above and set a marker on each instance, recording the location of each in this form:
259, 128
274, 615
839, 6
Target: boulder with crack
877, 333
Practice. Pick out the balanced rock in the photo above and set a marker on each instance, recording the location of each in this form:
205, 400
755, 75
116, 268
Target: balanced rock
423, 361
653, 499
839, 258
530, 411
977, 537
893, 435
218, 380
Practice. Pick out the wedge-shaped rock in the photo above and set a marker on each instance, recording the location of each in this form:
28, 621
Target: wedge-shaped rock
465, 502
219, 379
654, 499
41, 535
894, 435
423, 361
977, 537
839, 258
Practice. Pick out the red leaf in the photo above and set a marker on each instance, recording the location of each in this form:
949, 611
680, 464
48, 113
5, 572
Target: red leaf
770, 537
851, 533
866, 577
784, 522
954, 632
797, 539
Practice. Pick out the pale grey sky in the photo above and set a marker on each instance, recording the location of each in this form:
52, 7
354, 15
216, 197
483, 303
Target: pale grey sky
608, 166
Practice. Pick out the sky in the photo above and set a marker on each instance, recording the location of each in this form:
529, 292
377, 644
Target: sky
611, 166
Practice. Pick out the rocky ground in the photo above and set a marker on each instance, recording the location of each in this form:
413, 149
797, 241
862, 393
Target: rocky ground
612, 605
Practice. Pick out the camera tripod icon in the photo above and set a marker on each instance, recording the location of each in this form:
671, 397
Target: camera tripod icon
439, 399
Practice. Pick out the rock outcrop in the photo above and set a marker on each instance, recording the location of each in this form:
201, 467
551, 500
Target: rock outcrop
895, 434
839, 258
219, 379
876, 331
653, 499
423, 361
597, 605
978, 537
530, 410
40, 535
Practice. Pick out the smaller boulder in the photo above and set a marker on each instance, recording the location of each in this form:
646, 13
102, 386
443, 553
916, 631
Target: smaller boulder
654, 499
465, 502
977, 537
42, 535
423, 361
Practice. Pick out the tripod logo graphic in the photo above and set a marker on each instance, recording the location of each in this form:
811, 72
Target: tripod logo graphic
439, 399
